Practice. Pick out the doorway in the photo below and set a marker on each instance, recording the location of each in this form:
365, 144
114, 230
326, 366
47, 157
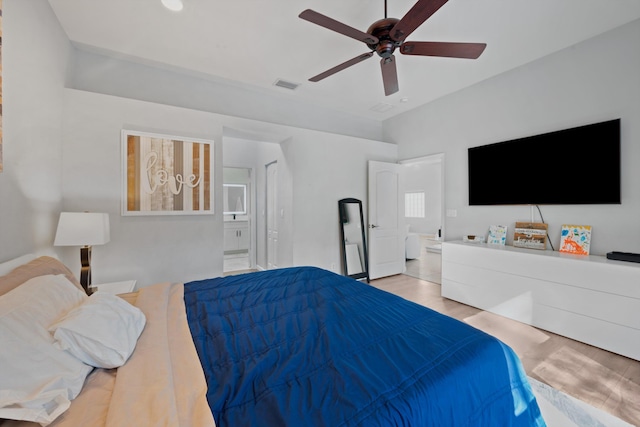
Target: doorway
237, 214
424, 216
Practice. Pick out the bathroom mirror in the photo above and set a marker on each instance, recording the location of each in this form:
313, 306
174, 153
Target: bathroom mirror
352, 235
235, 199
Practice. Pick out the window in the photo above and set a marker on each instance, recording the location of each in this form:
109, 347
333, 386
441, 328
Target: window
414, 204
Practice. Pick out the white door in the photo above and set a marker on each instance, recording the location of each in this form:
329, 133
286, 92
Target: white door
386, 220
272, 215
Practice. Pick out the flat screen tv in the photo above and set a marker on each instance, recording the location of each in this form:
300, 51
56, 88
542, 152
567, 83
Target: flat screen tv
573, 166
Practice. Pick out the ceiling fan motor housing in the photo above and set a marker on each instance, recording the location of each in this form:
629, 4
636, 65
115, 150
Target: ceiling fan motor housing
381, 29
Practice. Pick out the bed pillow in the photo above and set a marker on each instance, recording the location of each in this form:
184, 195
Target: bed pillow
102, 332
42, 300
7, 266
37, 380
40, 266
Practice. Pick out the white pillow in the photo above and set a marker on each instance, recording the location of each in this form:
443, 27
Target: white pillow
43, 298
102, 332
37, 380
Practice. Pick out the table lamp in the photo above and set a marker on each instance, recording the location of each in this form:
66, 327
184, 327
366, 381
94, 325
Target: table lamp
83, 229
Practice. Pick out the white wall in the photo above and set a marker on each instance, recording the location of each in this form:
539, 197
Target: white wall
149, 249
34, 58
62, 152
326, 170
116, 76
593, 81
315, 170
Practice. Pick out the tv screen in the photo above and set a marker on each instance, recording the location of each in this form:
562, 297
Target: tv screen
574, 166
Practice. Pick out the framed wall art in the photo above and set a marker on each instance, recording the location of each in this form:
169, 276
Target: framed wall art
166, 174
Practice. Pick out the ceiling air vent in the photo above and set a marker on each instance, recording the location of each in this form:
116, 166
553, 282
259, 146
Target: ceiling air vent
287, 85
381, 107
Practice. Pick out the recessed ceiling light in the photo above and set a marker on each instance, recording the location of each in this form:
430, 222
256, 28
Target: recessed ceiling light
404, 99
174, 5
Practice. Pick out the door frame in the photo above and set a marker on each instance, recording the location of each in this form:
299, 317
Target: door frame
438, 157
268, 213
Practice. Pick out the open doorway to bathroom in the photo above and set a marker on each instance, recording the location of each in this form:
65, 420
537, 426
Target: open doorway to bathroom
424, 214
237, 191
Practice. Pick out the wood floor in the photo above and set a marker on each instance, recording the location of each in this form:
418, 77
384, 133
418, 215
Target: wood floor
602, 379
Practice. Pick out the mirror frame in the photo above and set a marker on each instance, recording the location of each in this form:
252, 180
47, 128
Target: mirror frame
342, 219
244, 199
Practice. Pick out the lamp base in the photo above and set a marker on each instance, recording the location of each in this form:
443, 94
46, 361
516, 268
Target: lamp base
85, 270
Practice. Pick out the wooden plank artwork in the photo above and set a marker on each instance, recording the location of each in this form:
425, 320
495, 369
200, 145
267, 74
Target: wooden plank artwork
166, 175
531, 235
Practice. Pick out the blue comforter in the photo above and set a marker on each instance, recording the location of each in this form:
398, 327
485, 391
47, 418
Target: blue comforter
306, 347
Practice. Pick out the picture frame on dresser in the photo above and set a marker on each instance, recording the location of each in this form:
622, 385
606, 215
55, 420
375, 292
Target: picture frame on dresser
575, 239
166, 174
530, 235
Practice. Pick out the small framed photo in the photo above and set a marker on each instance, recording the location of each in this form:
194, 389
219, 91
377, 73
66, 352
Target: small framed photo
575, 239
497, 235
531, 235
166, 174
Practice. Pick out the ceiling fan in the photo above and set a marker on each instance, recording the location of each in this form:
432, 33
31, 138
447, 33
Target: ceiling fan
385, 35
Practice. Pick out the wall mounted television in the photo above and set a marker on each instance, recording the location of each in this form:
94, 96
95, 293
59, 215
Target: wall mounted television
573, 166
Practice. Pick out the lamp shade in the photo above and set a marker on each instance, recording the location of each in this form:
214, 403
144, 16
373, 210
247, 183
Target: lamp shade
174, 5
82, 229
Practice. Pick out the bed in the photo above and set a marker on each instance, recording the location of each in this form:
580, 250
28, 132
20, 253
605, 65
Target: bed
296, 346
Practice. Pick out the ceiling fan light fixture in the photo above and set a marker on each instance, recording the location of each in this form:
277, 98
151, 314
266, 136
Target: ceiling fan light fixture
173, 5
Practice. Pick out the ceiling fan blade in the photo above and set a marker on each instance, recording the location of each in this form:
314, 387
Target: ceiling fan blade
341, 67
419, 13
339, 27
447, 49
389, 75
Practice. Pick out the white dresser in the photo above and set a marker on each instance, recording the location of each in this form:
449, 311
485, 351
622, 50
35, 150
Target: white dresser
587, 298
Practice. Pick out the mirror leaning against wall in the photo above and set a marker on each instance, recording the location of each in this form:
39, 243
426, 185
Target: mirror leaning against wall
352, 235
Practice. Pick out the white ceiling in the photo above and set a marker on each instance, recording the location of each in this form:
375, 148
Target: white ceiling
256, 42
